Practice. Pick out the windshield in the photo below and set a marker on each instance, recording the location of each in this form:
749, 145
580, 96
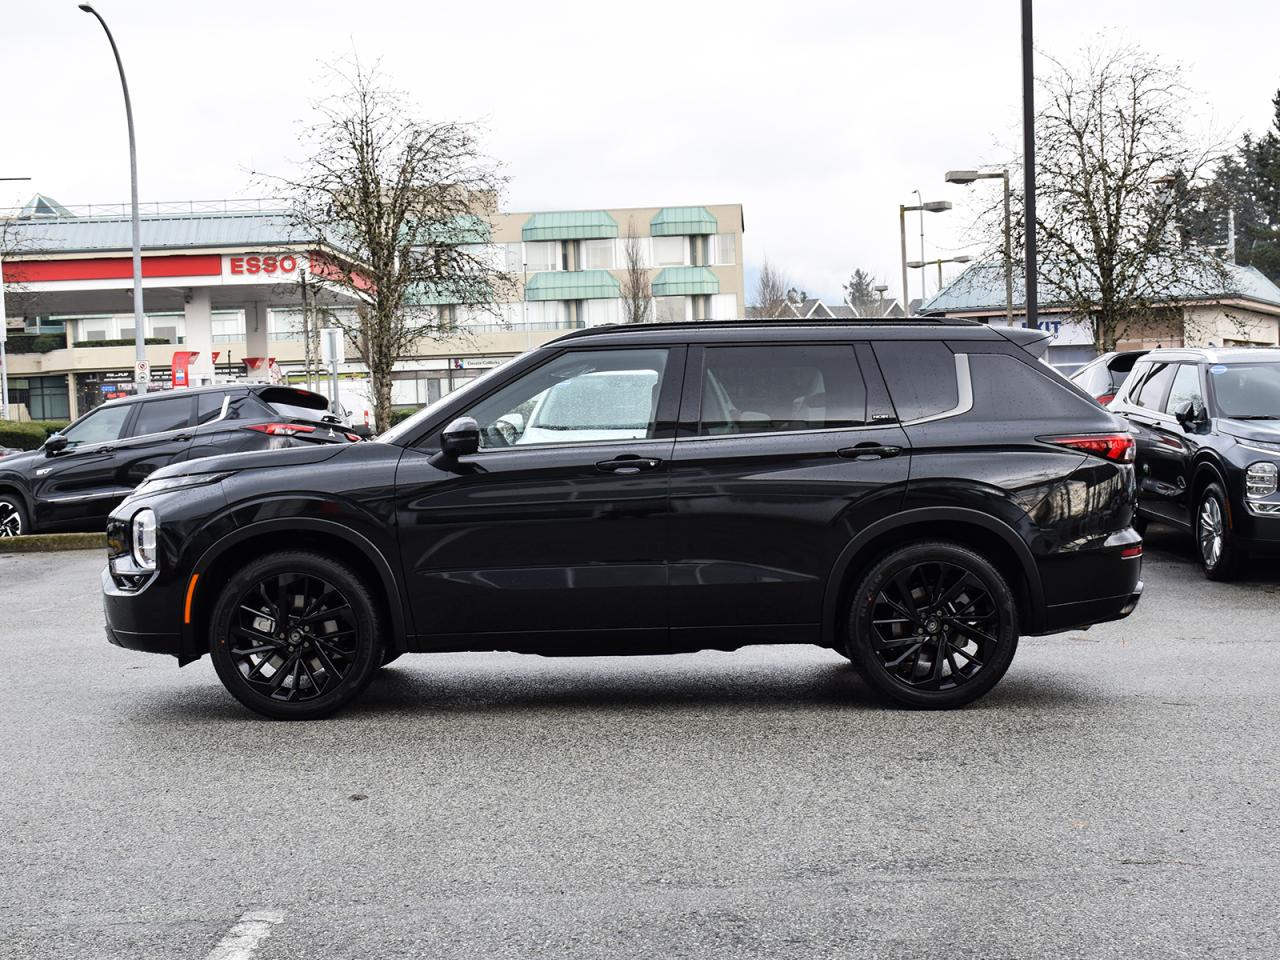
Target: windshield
410, 423
1247, 391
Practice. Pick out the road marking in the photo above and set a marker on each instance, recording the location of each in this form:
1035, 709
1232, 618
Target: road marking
243, 939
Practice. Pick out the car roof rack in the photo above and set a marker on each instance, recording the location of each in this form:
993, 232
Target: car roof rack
755, 324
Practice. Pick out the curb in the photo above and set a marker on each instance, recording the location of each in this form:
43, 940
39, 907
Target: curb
51, 542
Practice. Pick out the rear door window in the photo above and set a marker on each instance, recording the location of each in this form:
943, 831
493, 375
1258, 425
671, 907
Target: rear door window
921, 375
161, 416
766, 389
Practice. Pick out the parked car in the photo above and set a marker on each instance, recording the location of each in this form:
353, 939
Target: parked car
1103, 377
913, 495
1208, 429
79, 475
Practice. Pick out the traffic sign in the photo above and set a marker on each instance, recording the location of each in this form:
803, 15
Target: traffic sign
142, 371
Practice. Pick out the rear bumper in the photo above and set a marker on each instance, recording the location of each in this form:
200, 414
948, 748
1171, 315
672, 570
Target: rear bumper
1085, 613
1084, 587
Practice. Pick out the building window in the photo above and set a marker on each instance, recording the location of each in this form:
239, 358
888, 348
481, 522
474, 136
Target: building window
603, 311
597, 254
94, 328
228, 326
546, 314
670, 251
725, 250
542, 255
44, 397
43, 325
724, 306
671, 309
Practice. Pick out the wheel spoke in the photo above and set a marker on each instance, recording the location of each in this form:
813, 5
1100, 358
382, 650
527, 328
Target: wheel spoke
972, 632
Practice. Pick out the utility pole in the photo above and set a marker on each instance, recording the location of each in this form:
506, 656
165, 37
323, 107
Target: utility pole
1029, 161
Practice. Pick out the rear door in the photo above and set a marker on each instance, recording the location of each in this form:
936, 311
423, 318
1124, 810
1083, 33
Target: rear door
1166, 465
159, 434
1144, 409
79, 485
786, 450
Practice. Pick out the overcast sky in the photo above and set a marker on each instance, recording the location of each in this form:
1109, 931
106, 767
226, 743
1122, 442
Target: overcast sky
818, 117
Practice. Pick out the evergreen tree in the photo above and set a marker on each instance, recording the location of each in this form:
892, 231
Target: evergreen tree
860, 293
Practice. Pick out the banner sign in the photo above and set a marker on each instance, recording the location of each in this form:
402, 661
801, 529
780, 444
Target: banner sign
182, 362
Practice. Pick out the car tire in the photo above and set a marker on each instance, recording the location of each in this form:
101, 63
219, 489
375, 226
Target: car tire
308, 661
1215, 543
14, 521
932, 625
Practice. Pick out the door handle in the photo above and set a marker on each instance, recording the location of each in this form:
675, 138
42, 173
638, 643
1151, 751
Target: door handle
868, 451
627, 465
105, 450
182, 437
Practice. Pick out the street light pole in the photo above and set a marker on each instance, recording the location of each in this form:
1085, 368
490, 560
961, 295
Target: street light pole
4, 335
139, 323
966, 177
931, 206
1029, 161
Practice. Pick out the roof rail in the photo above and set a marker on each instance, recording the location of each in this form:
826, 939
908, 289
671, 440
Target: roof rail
839, 322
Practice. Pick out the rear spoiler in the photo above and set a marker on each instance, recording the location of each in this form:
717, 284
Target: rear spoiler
1031, 339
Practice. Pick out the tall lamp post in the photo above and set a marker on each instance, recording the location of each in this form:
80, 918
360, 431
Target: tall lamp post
969, 176
1029, 161
4, 335
921, 264
932, 206
140, 376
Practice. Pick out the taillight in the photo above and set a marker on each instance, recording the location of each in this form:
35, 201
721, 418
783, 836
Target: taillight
1132, 553
1105, 399
1116, 447
354, 438
281, 429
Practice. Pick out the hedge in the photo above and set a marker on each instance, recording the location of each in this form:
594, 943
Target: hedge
35, 342
398, 415
50, 427
118, 343
21, 436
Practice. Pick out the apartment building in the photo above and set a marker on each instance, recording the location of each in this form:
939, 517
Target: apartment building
223, 293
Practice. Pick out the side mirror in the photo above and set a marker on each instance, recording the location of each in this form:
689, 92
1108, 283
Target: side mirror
55, 445
460, 438
1185, 412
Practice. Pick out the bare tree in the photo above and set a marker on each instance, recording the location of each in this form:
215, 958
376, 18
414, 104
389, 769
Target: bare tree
772, 287
1116, 165
405, 201
637, 295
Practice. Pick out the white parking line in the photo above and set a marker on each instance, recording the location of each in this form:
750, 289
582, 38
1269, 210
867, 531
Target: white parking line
243, 939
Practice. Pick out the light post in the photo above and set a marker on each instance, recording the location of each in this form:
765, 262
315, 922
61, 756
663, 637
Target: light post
1029, 163
921, 264
139, 323
932, 206
4, 335
969, 176
881, 289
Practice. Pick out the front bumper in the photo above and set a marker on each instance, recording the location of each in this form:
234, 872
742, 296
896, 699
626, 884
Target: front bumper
131, 620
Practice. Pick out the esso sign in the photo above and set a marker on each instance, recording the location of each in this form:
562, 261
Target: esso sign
256, 264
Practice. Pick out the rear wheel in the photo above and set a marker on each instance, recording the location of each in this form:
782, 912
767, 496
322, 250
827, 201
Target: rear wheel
933, 625
295, 636
1216, 548
13, 516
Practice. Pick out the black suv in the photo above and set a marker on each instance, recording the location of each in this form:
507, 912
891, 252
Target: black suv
1208, 430
912, 495
82, 473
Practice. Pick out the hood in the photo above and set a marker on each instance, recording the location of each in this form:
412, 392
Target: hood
252, 459
1264, 431
21, 461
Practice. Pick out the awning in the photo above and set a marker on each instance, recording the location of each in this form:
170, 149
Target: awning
570, 225
466, 228
682, 222
685, 281
453, 290
572, 285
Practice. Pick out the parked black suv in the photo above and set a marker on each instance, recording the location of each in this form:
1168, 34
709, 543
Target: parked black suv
1208, 429
82, 473
912, 495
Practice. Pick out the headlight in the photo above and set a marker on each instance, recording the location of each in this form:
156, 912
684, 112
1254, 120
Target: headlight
1260, 479
144, 538
176, 483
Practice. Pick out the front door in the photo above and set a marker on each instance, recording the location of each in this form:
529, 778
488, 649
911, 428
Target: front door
79, 484
790, 451
159, 435
1166, 467
555, 530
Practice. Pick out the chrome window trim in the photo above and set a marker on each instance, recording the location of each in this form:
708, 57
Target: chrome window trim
964, 403
789, 433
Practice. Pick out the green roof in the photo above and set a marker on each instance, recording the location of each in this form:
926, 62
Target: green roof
572, 285
467, 228
570, 225
682, 222
683, 281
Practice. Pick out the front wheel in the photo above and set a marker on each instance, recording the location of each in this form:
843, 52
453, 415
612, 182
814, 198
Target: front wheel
933, 625
1219, 555
13, 516
295, 635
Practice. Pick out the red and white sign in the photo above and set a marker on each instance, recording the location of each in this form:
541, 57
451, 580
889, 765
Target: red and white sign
182, 363
261, 265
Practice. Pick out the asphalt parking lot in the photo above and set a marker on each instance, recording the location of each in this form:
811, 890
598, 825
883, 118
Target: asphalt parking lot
1116, 796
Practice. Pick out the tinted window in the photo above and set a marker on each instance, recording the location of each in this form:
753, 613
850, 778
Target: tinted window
769, 388
101, 426
1121, 367
579, 397
158, 416
1151, 393
1095, 379
921, 377
209, 406
1247, 390
1186, 387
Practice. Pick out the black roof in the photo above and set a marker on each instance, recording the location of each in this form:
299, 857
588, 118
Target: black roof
212, 388
916, 328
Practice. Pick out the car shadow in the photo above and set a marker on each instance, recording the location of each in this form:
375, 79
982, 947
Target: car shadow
1169, 544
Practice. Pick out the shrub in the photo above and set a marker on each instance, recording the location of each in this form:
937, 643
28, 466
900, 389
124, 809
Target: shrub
21, 436
398, 415
50, 427
35, 343
117, 343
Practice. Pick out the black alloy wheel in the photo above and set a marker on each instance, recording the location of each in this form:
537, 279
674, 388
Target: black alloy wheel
296, 636
933, 625
13, 517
